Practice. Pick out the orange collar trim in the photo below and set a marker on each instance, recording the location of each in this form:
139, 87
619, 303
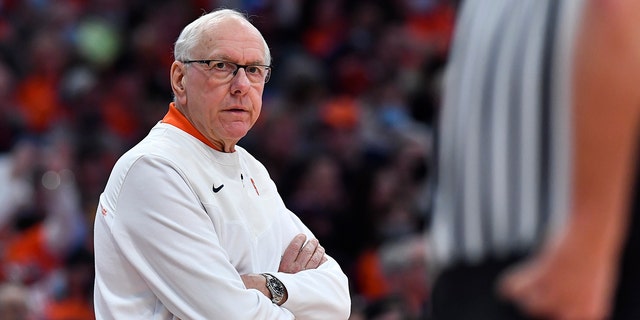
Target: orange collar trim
175, 118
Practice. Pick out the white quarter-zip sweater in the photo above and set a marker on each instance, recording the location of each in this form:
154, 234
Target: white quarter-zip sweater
179, 222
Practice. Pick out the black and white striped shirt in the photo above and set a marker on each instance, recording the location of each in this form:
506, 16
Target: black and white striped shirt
504, 151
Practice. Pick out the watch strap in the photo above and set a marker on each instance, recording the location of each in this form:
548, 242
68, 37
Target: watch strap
275, 287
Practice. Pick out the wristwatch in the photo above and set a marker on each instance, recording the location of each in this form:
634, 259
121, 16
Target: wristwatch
276, 288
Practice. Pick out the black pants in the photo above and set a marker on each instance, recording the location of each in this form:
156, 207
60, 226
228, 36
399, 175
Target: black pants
627, 301
468, 292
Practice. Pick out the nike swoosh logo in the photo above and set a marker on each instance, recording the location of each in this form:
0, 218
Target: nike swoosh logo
215, 190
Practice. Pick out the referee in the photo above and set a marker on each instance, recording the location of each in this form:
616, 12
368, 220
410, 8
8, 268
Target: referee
537, 154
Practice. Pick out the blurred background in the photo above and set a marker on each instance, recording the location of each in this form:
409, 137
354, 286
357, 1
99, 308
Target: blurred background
346, 132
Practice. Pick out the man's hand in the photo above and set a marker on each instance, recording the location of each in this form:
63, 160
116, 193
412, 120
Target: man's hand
565, 281
297, 257
300, 256
256, 281
259, 282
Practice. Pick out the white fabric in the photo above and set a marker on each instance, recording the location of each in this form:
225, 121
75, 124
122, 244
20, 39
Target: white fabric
167, 246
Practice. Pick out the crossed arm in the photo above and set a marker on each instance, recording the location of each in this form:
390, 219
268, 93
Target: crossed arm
297, 257
195, 271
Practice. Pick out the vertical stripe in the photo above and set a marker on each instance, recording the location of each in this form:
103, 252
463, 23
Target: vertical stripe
503, 145
447, 224
562, 128
501, 124
470, 128
528, 104
546, 141
515, 155
490, 128
466, 81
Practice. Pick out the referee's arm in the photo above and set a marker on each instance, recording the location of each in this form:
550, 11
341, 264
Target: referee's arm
575, 274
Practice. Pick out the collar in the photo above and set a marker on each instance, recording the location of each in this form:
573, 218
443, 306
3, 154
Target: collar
175, 118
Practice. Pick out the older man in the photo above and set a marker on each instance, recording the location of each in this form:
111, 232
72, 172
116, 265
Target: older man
190, 225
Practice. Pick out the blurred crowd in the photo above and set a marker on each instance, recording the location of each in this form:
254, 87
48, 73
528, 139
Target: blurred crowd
346, 132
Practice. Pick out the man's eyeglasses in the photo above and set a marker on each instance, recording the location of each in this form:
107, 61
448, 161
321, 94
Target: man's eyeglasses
225, 70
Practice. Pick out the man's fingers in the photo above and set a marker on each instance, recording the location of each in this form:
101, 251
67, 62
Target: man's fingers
297, 242
301, 256
510, 286
526, 287
516, 282
293, 250
316, 259
307, 251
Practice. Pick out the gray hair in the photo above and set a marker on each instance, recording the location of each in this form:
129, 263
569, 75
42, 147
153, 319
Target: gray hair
191, 34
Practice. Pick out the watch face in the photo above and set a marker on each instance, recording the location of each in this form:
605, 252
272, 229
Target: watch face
277, 286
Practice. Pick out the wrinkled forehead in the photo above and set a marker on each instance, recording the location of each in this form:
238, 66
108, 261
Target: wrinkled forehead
232, 39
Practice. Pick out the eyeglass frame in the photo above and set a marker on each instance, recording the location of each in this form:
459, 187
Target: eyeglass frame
238, 66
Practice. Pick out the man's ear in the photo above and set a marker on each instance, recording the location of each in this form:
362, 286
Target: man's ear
177, 81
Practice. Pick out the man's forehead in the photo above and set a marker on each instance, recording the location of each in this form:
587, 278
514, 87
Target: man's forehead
233, 28
230, 46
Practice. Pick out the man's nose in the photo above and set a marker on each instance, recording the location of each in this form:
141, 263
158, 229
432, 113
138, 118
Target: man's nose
240, 83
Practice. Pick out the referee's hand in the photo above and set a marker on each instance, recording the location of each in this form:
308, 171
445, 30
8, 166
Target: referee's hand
565, 281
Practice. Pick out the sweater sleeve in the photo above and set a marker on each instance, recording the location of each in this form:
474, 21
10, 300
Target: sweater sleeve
166, 235
321, 293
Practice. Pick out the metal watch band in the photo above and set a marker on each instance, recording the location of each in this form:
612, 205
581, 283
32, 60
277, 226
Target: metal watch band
275, 287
